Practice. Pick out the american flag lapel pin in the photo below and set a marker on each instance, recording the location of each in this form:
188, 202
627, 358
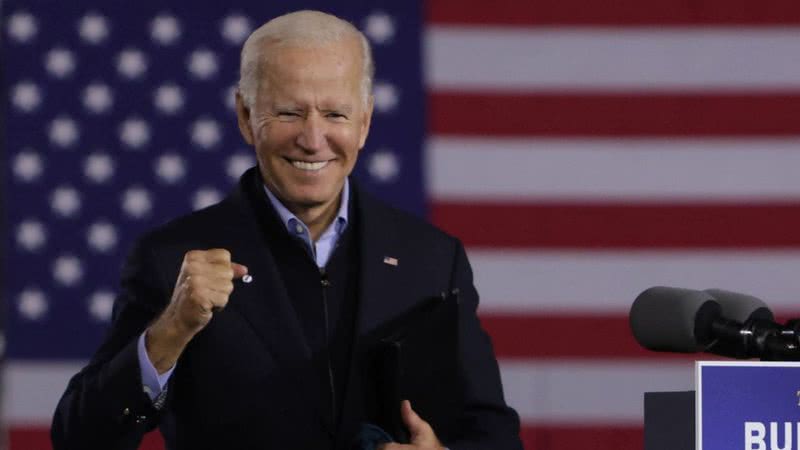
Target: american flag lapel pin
390, 261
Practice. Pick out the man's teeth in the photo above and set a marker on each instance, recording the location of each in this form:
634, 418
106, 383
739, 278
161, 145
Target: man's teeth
303, 165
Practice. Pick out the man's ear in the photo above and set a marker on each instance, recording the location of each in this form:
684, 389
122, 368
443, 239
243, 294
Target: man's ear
364, 131
243, 118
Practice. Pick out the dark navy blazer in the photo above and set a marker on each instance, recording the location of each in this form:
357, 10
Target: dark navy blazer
241, 381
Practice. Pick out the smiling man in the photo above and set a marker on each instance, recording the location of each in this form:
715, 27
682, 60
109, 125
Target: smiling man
251, 324
308, 117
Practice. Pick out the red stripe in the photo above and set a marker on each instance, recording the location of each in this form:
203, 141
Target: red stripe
534, 438
556, 437
551, 336
595, 114
565, 336
592, 226
38, 438
618, 12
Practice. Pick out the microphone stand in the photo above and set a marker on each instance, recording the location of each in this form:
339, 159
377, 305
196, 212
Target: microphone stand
757, 338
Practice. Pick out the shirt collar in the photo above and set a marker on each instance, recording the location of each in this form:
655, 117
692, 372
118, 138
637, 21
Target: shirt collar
290, 221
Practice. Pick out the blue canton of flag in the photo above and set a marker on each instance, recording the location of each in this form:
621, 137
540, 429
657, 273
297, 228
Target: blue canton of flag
119, 118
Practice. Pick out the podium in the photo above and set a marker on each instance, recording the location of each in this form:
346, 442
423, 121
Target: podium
669, 420
736, 405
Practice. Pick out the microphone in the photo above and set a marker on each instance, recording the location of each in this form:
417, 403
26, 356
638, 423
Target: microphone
741, 308
668, 319
725, 323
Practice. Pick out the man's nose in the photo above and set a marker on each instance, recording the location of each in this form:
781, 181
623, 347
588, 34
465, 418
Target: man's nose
313, 135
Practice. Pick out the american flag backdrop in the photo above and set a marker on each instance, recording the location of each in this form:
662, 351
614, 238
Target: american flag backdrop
583, 151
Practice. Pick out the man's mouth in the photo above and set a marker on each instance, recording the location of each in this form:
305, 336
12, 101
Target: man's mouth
307, 165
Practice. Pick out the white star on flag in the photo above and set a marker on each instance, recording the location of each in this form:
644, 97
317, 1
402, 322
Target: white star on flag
22, 27
168, 98
101, 305
206, 133
131, 63
205, 197
67, 270
98, 167
165, 29
102, 236
65, 201
60, 62
236, 28
31, 235
97, 98
383, 165
63, 131
26, 96
237, 164
27, 165
379, 27
170, 168
136, 202
32, 304
134, 132
386, 97
202, 64
93, 28
229, 97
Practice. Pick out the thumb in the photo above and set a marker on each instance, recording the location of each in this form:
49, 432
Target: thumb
419, 430
238, 270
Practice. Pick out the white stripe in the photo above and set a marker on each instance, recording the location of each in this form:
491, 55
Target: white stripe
608, 282
32, 390
545, 392
589, 393
620, 169
642, 58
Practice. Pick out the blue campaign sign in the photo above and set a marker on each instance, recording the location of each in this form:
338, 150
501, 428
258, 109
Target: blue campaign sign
748, 405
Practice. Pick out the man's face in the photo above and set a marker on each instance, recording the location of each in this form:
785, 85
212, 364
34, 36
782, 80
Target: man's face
308, 122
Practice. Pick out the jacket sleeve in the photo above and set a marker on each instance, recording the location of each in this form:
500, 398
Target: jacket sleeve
488, 423
105, 406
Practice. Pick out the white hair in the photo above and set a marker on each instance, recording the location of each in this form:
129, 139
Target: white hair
300, 28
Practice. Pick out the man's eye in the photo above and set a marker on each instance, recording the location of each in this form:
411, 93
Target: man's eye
288, 114
335, 115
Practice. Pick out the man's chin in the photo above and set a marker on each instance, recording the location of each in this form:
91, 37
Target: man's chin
307, 200
300, 195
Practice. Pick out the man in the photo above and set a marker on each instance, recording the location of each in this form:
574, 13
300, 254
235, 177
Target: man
250, 324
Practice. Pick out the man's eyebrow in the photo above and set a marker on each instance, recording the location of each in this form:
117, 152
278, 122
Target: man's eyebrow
287, 106
343, 108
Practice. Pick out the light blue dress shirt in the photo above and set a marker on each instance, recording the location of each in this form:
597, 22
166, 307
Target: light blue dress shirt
320, 251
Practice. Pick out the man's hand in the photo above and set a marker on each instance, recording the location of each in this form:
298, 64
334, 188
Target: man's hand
422, 435
203, 286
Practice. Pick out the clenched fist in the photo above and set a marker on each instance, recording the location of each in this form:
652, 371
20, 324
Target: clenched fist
203, 287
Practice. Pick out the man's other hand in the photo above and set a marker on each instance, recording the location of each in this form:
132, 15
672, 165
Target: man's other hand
422, 435
204, 285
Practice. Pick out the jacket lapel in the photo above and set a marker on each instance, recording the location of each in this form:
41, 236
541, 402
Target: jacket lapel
380, 299
263, 302
379, 296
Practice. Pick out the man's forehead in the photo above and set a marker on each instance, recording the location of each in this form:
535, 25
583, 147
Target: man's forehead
333, 101
284, 49
332, 64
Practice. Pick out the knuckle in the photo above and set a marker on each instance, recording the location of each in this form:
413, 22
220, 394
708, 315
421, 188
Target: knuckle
192, 267
193, 255
221, 253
